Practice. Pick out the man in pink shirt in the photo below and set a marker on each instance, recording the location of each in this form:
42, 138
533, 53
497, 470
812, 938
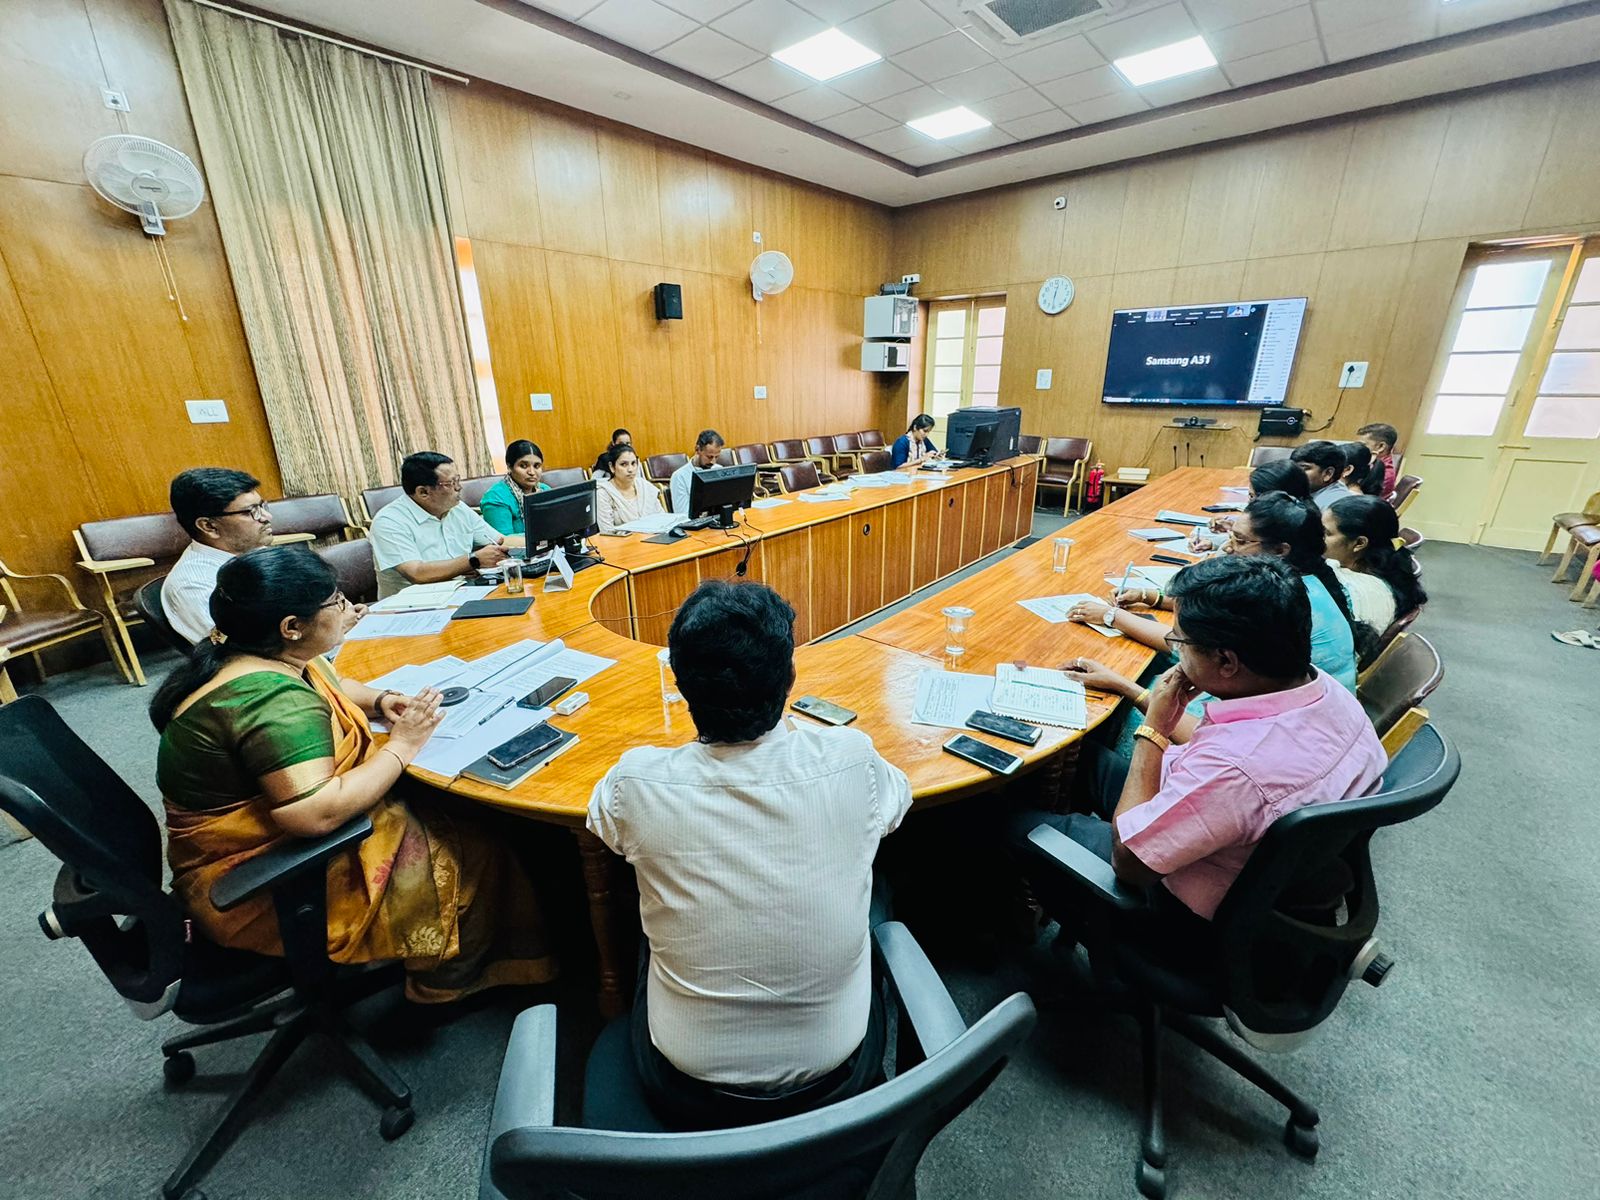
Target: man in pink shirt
1381, 439
1278, 736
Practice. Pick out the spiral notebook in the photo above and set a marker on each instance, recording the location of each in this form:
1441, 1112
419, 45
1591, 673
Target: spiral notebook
1040, 696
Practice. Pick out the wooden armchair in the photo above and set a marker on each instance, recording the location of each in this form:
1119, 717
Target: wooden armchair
790, 451
122, 553
34, 629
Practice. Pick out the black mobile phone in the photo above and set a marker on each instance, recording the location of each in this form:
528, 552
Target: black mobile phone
1173, 560
1229, 508
824, 710
983, 754
546, 692
1009, 728
524, 746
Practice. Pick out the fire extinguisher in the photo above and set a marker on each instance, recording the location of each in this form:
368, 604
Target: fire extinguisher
1097, 474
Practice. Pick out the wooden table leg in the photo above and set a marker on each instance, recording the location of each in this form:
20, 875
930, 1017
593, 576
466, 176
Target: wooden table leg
614, 934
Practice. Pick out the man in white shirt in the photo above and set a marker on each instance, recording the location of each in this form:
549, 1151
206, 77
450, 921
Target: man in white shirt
753, 847
428, 535
223, 515
706, 448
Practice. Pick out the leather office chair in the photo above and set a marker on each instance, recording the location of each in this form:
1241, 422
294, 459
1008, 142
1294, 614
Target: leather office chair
472, 490
120, 554
797, 477
867, 1146
307, 518
875, 461
374, 499
847, 451
109, 895
794, 450
725, 457
658, 468
147, 601
756, 455
1406, 490
820, 451
1028, 444
1585, 538
353, 563
565, 476
1265, 454
1292, 932
1394, 687
1066, 466
872, 439
31, 629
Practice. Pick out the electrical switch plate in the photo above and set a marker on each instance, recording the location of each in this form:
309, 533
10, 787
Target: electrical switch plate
541, 401
911, 279
1353, 374
115, 100
756, 237
1041, 379
761, 391
207, 412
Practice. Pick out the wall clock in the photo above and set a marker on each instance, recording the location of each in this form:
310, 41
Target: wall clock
1056, 293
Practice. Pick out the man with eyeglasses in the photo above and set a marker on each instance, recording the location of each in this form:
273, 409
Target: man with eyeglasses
428, 535
224, 515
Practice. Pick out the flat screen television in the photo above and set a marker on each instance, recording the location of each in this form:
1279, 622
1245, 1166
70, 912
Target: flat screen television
1235, 355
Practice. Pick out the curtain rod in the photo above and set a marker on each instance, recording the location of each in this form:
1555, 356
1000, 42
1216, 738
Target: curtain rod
322, 37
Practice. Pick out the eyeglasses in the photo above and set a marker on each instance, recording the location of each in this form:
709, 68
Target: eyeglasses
258, 512
339, 601
453, 484
1174, 640
1235, 540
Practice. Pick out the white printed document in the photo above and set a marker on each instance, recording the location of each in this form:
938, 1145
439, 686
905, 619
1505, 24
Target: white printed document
403, 624
1055, 609
1181, 518
654, 523
1040, 696
1144, 576
417, 597
413, 677
948, 698
768, 502
451, 756
824, 494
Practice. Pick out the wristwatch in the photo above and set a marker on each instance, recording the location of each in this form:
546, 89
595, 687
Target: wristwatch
1159, 740
472, 561
1110, 618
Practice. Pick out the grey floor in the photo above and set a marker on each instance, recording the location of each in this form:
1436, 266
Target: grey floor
1471, 1073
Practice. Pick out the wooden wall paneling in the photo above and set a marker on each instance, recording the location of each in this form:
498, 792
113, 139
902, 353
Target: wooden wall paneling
566, 162
1510, 130
693, 382
1208, 282
775, 325
645, 362
610, 607
724, 564
1423, 309
136, 54
926, 510
952, 519
990, 528
656, 594
1092, 233
1299, 189
786, 565
632, 199
1220, 217
866, 563
899, 547
731, 217
1387, 178
518, 316
739, 364
1564, 194
1038, 228
1010, 496
1285, 275
685, 209
1341, 332
830, 575
50, 107
493, 135
585, 321
1153, 213
773, 203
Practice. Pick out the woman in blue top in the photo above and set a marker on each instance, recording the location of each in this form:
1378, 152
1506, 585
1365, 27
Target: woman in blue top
914, 445
501, 505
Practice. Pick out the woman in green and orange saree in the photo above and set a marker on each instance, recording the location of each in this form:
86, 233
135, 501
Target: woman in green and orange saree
262, 741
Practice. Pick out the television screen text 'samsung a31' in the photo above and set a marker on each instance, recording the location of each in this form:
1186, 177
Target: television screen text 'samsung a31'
1236, 355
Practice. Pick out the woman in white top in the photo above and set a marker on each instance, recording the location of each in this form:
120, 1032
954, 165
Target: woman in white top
1372, 560
622, 495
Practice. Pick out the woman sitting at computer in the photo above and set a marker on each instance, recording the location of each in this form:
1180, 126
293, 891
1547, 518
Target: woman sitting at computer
914, 445
501, 505
622, 494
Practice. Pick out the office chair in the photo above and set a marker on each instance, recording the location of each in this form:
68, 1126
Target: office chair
1292, 932
565, 476
1261, 455
1394, 687
353, 563
867, 1146
1406, 490
147, 603
1066, 465
109, 895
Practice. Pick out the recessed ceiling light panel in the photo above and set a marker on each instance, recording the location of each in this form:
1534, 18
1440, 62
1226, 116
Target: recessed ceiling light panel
1166, 62
827, 55
949, 123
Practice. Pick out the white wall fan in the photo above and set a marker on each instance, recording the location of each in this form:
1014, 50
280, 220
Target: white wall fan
145, 177
770, 273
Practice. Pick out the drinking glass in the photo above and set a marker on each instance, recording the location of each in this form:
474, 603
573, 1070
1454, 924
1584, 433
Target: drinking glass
956, 620
669, 682
513, 569
1062, 551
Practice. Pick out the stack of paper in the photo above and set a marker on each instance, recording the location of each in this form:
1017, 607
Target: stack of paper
401, 624
1181, 518
451, 755
821, 495
1039, 696
412, 678
948, 698
1158, 534
1055, 609
418, 597
768, 502
654, 523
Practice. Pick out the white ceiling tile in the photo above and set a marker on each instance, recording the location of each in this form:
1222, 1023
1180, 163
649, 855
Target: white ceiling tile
874, 82
892, 141
570, 9
1108, 108
919, 102
1039, 125
836, 12
707, 52
1454, 18
767, 80
978, 140
768, 25
1351, 14
1185, 87
1066, 57
703, 10
1085, 85
1306, 56
642, 24
1022, 103
1215, 14
857, 122
1371, 39
896, 26
815, 102
925, 152
1143, 31
1288, 28
979, 84
946, 56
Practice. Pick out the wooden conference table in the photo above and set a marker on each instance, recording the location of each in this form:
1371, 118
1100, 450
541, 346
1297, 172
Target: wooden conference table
835, 562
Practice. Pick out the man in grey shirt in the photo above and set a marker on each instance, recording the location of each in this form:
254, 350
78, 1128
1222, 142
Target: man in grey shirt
706, 448
1323, 462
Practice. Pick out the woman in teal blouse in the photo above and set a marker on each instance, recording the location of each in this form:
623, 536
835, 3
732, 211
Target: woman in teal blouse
501, 505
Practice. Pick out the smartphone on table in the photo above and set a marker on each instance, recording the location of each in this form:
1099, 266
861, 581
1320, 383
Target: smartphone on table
546, 692
823, 710
1009, 728
524, 746
982, 754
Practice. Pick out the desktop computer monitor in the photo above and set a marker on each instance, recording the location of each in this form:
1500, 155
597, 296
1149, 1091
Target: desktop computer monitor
1007, 435
564, 515
714, 494
970, 433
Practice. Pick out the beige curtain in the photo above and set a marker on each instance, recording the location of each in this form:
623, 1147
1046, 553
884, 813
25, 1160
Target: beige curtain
326, 175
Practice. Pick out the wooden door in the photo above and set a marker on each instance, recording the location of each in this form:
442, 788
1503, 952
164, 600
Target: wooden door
899, 525
866, 563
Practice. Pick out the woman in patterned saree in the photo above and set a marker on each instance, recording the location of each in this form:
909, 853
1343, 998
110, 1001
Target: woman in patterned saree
261, 741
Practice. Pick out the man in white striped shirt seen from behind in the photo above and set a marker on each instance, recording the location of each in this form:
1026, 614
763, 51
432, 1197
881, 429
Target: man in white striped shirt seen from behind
224, 515
753, 847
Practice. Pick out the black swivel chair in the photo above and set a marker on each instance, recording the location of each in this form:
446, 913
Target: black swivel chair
1294, 929
109, 895
867, 1146
147, 603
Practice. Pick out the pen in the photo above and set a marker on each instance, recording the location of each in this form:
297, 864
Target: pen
497, 710
1126, 571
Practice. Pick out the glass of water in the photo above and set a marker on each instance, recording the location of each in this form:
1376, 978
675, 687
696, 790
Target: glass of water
669, 681
513, 572
956, 620
1062, 551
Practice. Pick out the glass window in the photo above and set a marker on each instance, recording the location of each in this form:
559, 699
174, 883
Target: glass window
947, 379
1465, 416
991, 322
1501, 284
1494, 329
988, 351
985, 379
1564, 417
478, 344
964, 366
1587, 289
1573, 374
1581, 328
1479, 373
947, 351
952, 322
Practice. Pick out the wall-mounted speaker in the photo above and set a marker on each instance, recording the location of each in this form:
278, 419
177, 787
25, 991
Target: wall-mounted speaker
669, 302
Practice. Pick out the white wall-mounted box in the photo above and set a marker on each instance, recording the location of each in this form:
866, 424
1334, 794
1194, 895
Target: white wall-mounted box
890, 317
885, 356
